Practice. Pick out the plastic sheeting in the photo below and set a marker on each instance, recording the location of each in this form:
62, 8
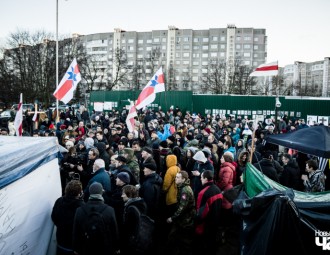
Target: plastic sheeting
256, 182
279, 220
22, 155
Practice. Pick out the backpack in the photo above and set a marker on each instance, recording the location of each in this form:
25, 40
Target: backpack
95, 230
142, 241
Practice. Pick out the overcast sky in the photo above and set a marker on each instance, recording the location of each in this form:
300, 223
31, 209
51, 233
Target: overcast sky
297, 30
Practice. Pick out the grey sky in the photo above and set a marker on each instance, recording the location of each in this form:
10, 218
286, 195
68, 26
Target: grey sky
296, 29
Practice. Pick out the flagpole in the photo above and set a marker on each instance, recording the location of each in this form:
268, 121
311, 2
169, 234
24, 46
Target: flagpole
57, 117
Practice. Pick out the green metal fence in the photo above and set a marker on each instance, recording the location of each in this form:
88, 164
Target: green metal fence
293, 107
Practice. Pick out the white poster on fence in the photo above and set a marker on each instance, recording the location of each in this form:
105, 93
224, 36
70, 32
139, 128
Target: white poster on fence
25, 211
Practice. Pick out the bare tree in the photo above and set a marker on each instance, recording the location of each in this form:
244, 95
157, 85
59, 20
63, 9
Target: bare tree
239, 80
214, 80
122, 70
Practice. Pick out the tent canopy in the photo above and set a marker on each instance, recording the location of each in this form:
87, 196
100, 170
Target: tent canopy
313, 140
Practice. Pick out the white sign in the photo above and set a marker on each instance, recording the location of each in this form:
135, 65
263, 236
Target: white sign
98, 106
25, 211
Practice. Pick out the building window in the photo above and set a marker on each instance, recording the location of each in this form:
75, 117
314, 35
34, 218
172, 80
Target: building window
195, 55
214, 54
177, 62
205, 55
214, 46
186, 39
222, 54
238, 38
204, 70
205, 39
196, 47
149, 48
247, 62
186, 47
196, 39
256, 39
164, 47
255, 47
177, 55
238, 46
195, 70
140, 41
186, 54
214, 38
149, 41
255, 55
130, 48
156, 40
205, 47
186, 62
247, 38
222, 38
123, 41
247, 46
130, 40
222, 46
205, 63
163, 39
195, 78
247, 54
195, 63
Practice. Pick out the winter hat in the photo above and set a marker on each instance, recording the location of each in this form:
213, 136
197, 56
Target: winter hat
199, 156
207, 130
96, 188
129, 152
122, 159
194, 142
124, 177
207, 150
151, 166
147, 149
163, 144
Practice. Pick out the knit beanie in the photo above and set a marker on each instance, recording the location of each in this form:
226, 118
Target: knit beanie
124, 177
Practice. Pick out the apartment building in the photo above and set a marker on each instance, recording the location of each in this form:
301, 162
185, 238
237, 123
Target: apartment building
308, 79
183, 53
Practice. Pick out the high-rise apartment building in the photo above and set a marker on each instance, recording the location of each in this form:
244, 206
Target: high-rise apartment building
184, 52
308, 79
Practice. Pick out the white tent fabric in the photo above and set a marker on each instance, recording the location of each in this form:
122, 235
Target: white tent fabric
29, 185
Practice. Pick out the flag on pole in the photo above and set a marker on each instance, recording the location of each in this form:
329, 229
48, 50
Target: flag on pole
68, 84
19, 117
269, 69
148, 94
130, 121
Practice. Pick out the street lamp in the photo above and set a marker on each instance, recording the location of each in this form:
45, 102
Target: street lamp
277, 105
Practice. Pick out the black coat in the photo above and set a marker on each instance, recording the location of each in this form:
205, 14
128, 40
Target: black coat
109, 218
63, 214
267, 168
291, 177
150, 191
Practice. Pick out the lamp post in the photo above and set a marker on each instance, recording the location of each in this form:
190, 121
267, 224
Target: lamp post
277, 105
57, 117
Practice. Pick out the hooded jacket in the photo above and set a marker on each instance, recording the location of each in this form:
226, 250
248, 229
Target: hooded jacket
132, 163
169, 185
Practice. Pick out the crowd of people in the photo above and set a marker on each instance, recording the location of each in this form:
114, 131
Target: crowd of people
173, 168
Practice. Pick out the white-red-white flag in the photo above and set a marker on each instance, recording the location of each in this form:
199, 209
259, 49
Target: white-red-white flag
269, 69
148, 94
18, 123
35, 115
68, 84
130, 121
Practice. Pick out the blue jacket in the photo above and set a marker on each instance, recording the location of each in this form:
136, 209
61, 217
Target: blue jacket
102, 177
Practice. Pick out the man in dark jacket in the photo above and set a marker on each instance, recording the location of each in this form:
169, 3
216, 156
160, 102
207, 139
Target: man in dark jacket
208, 216
63, 214
266, 166
103, 154
290, 177
151, 188
107, 242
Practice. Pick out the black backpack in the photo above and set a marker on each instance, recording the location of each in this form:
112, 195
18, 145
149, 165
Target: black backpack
95, 230
142, 241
